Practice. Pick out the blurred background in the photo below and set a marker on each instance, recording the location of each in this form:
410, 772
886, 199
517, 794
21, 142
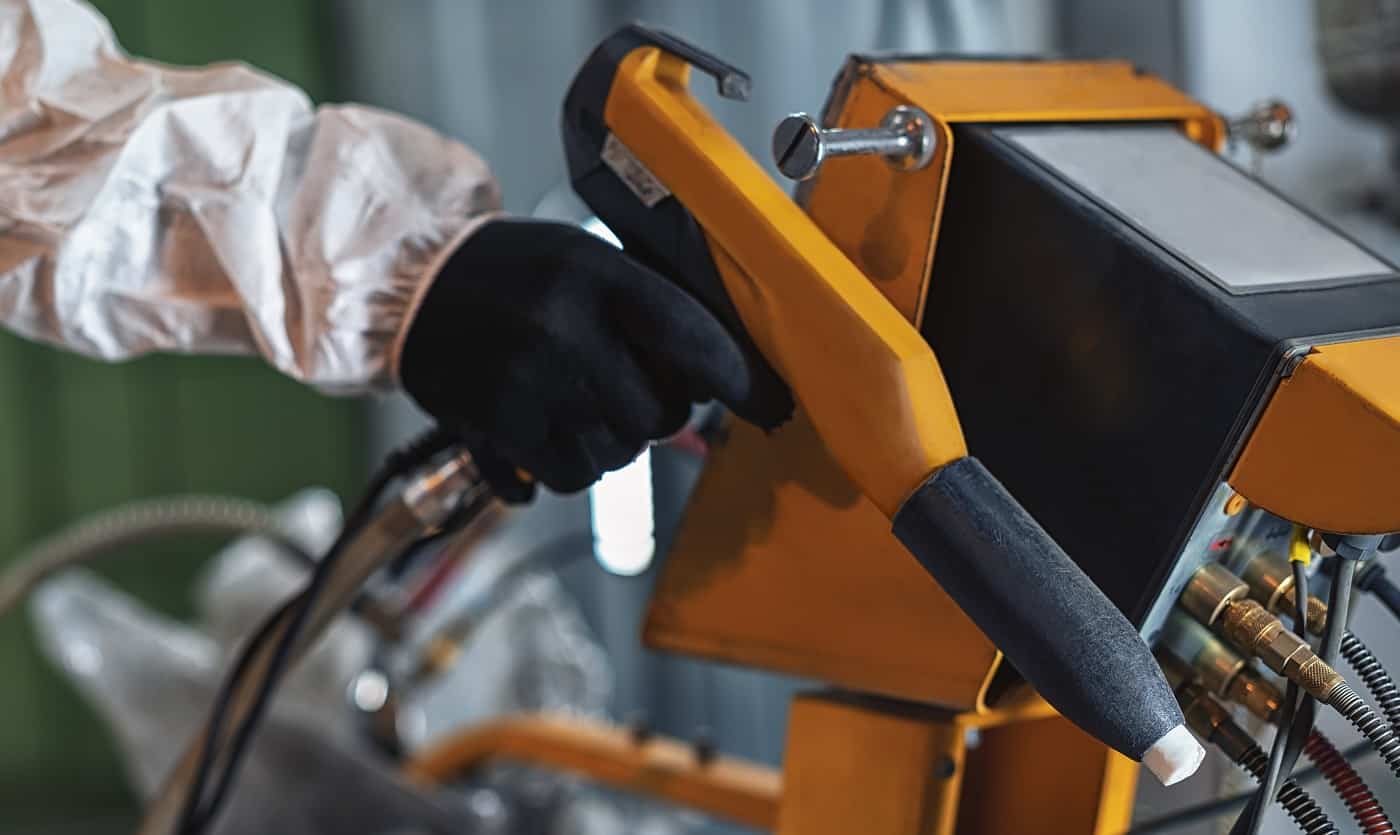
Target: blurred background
77, 436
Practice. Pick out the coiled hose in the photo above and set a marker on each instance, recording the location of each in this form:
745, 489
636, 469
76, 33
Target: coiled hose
138, 522
1374, 676
1348, 785
1294, 799
1352, 708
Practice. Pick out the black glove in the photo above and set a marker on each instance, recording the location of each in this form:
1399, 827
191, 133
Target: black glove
556, 354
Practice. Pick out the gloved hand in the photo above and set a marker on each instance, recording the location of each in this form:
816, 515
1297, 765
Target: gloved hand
555, 353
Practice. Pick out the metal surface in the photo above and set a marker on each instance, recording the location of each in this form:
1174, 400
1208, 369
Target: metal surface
436, 494
1210, 592
657, 767
1213, 527
876, 767
776, 551
1339, 414
1208, 661
1266, 127
905, 139
1237, 231
1255, 632
1213, 664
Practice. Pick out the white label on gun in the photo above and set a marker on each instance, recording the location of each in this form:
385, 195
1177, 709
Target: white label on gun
638, 177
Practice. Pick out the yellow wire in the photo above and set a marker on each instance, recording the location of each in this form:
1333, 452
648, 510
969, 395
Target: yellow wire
1299, 550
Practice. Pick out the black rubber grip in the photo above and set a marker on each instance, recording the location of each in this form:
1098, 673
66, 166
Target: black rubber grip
1041, 610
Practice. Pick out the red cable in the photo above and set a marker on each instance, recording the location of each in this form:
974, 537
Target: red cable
442, 571
1348, 785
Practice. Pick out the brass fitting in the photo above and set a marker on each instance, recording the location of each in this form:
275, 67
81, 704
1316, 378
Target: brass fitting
1211, 590
1253, 630
1204, 714
1203, 657
1258, 695
1217, 598
438, 656
1211, 721
1270, 580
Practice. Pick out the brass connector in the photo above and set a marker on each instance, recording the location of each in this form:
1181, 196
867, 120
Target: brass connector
1204, 714
1210, 591
1253, 630
1258, 695
1211, 721
1217, 598
1270, 580
438, 656
1206, 659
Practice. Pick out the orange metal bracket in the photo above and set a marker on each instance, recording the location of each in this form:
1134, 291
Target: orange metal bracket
1326, 450
660, 768
887, 221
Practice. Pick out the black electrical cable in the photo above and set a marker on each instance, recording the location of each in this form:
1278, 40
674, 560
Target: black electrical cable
1212, 809
1338, 610
1251, 821
1344, 699
1373, 579
197, 813
1376, 678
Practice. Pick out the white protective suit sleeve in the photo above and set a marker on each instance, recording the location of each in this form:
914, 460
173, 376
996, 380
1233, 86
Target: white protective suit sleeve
213, 210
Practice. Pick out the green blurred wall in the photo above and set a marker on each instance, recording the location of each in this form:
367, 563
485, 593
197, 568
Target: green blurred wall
77, 436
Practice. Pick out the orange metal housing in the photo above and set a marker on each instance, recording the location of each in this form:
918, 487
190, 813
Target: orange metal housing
780, 562
1327, 447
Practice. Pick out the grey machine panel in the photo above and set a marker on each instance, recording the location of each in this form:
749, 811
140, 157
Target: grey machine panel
1196, 204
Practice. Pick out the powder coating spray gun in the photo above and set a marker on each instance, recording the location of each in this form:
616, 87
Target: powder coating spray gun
684, 198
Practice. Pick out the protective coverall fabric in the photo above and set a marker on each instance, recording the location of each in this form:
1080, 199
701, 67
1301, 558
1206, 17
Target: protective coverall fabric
213, 210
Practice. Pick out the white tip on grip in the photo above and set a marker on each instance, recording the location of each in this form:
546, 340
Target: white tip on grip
1174, 757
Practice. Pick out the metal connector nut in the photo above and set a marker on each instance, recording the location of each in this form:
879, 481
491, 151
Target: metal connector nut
1211, 590
1253, 630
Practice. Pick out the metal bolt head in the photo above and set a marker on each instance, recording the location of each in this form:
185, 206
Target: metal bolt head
799, 147
916, 126
1267, 126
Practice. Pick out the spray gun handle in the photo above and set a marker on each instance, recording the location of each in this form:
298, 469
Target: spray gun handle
684, 197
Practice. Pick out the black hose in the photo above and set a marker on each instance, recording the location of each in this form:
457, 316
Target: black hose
140, 522
1352, 708
1378, 682
1295, 800
1281, 755
1338, 611
1349, 786
198, 813
1212, 809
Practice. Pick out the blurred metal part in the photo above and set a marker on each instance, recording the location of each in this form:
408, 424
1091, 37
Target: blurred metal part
1359, 44
434, 495
740, 791
138, 523
1268, 126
